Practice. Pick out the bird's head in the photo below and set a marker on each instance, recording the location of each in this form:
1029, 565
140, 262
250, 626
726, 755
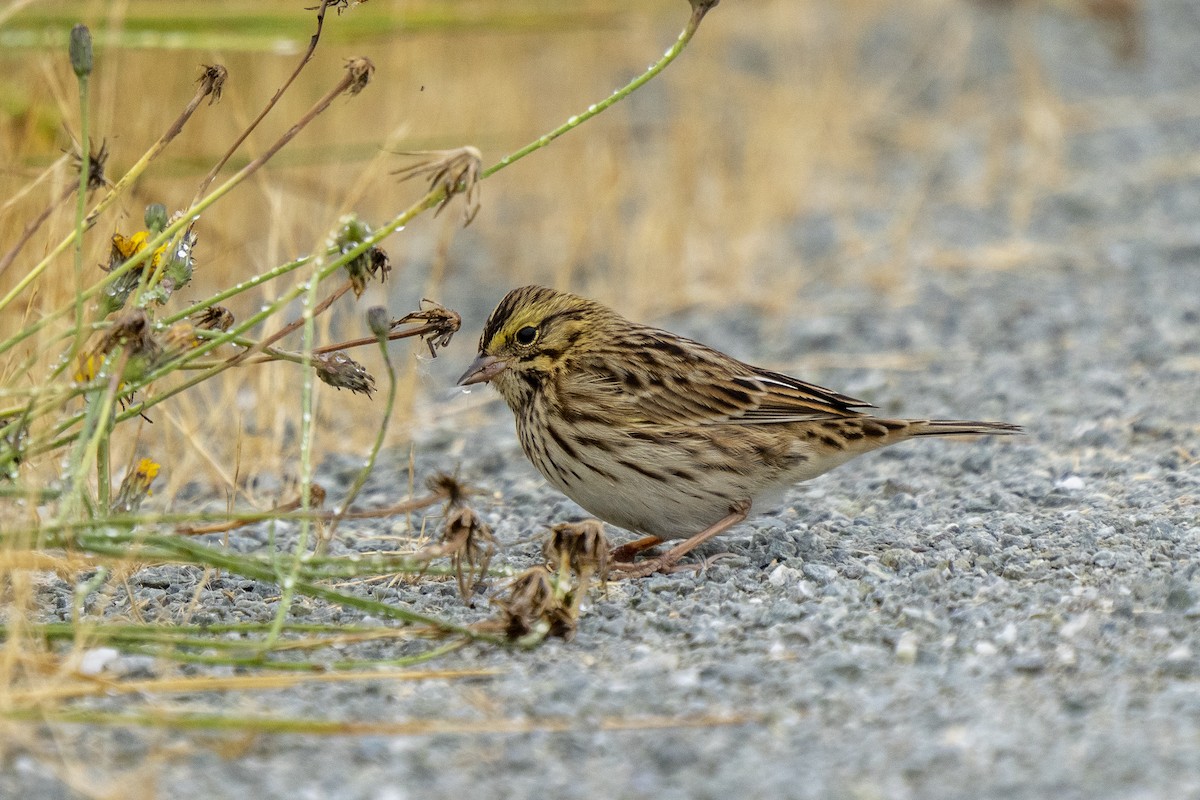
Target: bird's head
533, 333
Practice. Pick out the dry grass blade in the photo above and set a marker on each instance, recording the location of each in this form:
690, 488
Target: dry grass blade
104, 687
316, 499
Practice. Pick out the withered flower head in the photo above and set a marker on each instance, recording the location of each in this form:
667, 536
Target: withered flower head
97, 161
131, 332
579, 546
212, 81
528, 599
213, 318
380, 264
455, 491
440, 324
339, 5
453, 172
342, 372
136, 487
372, 262
468, 540
361, 69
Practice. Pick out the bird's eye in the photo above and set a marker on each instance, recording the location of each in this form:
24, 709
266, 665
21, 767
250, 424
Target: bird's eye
526, 336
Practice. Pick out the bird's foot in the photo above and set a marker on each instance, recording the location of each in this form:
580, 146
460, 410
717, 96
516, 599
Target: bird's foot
625, 567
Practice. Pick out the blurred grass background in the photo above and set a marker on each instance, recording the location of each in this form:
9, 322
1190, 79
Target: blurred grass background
753, 166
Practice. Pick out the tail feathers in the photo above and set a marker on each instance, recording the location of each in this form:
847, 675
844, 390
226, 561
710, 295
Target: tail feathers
961, 427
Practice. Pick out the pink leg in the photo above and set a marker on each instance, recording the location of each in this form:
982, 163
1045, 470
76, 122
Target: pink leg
667, 560
628, 551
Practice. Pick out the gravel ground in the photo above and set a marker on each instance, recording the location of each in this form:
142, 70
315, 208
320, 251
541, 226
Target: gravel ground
1013, 618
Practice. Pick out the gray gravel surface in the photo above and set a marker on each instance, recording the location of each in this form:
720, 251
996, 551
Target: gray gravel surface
1013, 618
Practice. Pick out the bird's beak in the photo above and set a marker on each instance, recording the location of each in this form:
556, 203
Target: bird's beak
482, 370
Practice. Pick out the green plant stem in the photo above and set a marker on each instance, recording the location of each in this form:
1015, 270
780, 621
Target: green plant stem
104, 470
173, 649
85, 155
160, 718
233, 291
307, 413
96, 428
699, 9
118, 521
186, 635
360, 479
220, 559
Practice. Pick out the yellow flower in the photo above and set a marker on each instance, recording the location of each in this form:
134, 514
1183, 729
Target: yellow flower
126, 247
136, 487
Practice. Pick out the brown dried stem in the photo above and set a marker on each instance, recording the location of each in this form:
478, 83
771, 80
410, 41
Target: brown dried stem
233, 148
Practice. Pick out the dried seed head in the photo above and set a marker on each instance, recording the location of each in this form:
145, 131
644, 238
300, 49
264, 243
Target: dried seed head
440, 324
212, 81
132, 330
129, 345
361, 69
342, 372
372, 262
469, 541
380, 264
579, 546
455, 491
97, 161
464, 525
453, 171
529, 598
213, 318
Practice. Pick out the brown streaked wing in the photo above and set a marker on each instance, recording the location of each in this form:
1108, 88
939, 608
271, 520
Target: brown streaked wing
705, 387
